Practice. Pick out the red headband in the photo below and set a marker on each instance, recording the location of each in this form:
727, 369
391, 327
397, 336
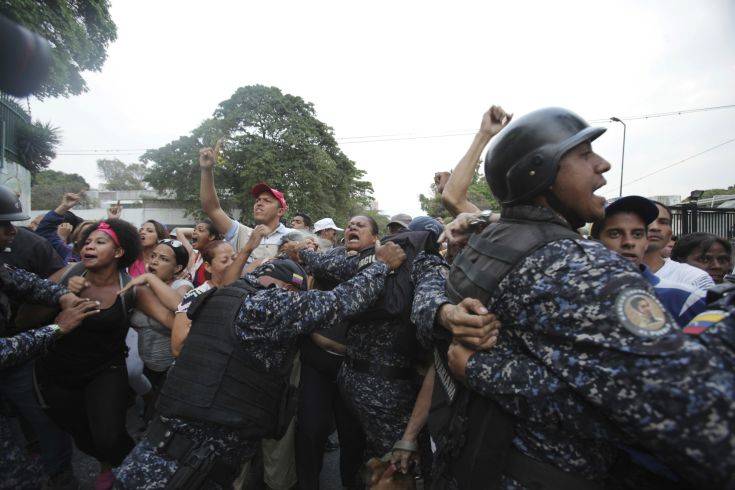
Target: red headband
104, 227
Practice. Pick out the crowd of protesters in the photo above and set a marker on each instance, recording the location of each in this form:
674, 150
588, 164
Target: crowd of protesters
354, 318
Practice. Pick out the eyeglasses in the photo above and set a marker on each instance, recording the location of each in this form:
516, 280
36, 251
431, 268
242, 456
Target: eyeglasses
172, 243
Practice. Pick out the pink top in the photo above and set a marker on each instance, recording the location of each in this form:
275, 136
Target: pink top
137, 268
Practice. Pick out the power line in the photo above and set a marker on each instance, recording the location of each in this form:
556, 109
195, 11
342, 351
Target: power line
680, 161
404, 137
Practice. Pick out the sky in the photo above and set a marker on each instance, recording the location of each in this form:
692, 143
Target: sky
418, 70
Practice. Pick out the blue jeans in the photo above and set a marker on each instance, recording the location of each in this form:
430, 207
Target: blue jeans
16, 385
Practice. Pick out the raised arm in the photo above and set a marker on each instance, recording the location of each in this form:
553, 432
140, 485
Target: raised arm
207, 192
286, 314
454, 195
147, 302
234, 270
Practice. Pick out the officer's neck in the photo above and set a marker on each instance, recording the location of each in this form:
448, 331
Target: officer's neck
574, 221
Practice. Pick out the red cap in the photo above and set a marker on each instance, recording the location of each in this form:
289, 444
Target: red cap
258, 189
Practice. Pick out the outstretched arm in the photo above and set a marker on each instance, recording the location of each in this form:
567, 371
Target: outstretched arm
454, 195
207, 192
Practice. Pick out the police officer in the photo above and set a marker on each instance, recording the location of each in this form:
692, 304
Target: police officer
578, 370
379, 379
229, 386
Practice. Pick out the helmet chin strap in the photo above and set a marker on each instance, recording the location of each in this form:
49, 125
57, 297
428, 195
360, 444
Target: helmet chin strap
574, 220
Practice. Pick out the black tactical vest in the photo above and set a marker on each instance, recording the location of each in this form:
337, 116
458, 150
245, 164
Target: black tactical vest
489, 256
211, 380
396, 298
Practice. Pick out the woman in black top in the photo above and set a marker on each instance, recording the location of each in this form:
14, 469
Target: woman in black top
83, 379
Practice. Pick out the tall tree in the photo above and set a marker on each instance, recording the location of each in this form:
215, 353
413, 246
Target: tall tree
267, 136
121, 177
79, 32
48, 186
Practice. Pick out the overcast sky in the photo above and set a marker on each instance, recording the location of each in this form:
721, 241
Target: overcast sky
421, 69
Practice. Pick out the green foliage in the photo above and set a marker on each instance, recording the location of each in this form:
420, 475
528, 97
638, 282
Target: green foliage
478, 194
36, 144
79, 32
271, 137
121, 177
718, 192
48, 186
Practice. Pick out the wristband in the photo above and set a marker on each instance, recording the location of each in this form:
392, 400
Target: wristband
410, 446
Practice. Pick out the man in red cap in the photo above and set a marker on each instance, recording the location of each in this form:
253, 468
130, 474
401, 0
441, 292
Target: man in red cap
270, 206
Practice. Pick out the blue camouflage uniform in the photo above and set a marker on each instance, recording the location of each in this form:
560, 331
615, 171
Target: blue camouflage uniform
268, 324
15, 468
382, 406
585, 369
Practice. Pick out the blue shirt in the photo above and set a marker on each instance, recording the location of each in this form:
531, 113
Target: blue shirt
684, 302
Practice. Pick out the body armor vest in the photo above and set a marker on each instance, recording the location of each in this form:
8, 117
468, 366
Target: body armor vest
396, 298
211, 380
478, 457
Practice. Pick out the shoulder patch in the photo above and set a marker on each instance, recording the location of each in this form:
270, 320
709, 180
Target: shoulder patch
641, 313
703, 321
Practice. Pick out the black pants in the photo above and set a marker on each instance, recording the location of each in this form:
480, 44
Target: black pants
93, 411
320, 408
157, 379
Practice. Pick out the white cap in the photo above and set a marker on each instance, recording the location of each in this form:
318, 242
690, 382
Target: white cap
326, 224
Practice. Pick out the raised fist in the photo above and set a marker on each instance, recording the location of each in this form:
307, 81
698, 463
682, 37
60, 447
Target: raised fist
494, 120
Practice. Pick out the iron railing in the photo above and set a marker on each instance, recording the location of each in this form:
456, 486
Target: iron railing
690, 218
11, 115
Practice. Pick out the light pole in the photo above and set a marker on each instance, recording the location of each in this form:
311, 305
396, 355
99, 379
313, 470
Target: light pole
622, 159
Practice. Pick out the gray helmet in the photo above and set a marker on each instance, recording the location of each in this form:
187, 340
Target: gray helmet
523, 159
10, 208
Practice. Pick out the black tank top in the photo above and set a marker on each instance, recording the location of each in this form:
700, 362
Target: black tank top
96, 344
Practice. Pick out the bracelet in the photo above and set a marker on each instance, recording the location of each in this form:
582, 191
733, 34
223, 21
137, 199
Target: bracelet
410, 446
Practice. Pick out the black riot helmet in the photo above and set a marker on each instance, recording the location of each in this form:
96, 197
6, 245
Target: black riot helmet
10, 208
523, 159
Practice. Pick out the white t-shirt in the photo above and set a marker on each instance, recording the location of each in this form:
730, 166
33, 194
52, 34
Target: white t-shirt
238, 236
673, 271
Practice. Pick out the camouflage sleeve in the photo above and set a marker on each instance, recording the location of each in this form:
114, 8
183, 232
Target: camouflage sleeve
590, 318
337, 267
25, 346
26, 286
715, 329
428, 275
280, 314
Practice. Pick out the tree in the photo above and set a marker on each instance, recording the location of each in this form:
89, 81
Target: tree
79, 32
48, 186
36, 144
478, 193
266, 136
121, 177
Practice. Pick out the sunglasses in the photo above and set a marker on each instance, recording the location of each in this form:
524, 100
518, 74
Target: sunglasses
172, 243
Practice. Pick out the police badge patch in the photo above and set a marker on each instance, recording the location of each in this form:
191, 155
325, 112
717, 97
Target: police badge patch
641, 314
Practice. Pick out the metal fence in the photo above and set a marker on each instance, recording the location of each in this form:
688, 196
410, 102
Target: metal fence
687, 218
11, 115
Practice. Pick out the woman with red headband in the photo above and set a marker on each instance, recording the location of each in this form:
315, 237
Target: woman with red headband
83, 379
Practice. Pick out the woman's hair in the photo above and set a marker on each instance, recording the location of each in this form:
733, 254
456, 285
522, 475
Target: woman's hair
161, 230
180, 252
216, 235
211, 250
687, 244
127, 236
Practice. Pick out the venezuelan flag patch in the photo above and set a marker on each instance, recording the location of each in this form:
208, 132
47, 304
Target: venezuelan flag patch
703, 321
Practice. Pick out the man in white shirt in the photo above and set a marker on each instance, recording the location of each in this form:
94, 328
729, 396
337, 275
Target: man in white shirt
270, 206
659, 234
